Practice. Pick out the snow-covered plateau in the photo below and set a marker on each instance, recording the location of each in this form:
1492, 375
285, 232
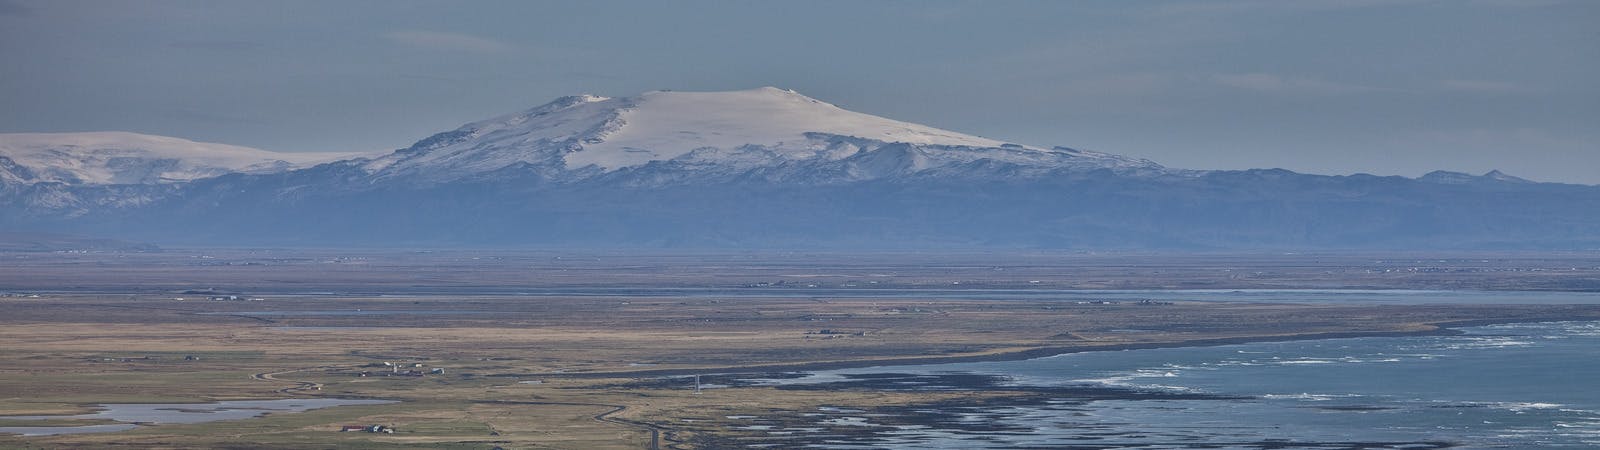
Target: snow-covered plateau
110, 157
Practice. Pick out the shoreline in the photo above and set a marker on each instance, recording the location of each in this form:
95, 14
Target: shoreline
1448, 328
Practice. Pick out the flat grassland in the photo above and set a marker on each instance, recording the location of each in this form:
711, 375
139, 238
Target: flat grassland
583, 351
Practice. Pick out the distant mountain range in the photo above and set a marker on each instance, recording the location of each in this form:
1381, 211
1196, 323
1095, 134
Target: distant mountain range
762, 168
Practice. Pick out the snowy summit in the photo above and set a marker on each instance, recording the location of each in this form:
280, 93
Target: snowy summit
663, 125
733, 130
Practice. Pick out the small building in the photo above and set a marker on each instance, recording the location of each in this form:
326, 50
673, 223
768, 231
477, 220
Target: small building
368, 428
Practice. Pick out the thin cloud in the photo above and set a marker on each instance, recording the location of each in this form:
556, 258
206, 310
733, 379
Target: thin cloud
426, 77
1119, 85
1499, 139
218, 45
1517, 3
1483, 87
453, 42
1234, 7
1256, 6
1278, 84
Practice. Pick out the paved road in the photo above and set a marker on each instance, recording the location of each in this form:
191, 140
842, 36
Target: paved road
300, 386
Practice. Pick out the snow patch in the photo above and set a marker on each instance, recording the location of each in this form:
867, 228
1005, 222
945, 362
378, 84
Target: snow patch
663, 125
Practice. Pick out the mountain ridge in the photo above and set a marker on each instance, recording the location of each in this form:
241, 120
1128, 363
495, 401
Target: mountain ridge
740, 170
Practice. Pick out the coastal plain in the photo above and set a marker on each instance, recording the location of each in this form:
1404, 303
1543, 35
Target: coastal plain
484, 349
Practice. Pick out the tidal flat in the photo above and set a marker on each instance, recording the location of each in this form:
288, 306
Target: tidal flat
130, 415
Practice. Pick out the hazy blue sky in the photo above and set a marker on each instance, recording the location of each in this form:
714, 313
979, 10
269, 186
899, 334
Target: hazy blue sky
1385, 87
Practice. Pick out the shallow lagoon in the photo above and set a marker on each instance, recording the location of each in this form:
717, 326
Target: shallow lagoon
135, 414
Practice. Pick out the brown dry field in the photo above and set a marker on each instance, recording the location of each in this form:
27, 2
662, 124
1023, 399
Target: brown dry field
85, 342
501, 272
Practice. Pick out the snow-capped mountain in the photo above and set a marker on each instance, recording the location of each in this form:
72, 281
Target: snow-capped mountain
712, 134
103, 158
747, 169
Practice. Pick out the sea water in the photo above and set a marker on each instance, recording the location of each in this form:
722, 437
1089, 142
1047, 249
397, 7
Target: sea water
1502, 386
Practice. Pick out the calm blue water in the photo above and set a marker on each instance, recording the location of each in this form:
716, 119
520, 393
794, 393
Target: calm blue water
1501, 386
1341, 296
